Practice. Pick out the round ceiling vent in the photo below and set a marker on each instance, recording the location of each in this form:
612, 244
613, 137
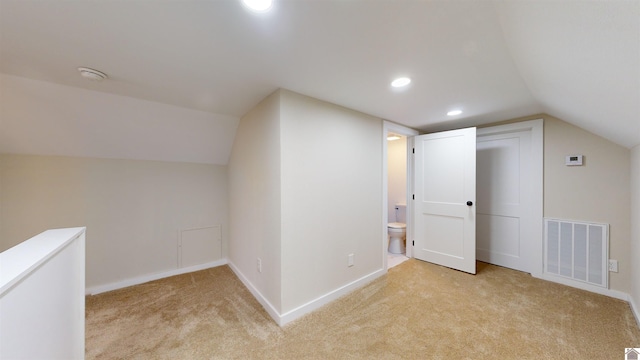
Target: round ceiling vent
92, 74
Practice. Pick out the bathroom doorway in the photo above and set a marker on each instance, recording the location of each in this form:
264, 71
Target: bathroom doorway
397, 184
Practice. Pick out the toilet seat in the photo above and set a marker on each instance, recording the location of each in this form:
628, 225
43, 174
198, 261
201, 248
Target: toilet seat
397, 225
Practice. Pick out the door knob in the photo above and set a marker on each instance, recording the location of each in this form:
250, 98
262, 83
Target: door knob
469, 203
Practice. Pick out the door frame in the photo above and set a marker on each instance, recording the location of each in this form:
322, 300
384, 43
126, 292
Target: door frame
387, 127
537, 160
537, 183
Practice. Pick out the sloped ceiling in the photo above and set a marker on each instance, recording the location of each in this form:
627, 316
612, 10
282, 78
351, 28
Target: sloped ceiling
576, 60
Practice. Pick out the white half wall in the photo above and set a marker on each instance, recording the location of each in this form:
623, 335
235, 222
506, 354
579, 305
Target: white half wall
635, 232
42, 297
134, 210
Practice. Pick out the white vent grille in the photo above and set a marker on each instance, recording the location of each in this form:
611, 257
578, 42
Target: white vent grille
577, 250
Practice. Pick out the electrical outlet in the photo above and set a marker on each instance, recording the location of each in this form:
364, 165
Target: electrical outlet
350, 260
259, 265
613, 265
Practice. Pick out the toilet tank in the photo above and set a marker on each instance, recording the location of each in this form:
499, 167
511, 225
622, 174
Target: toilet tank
401, 213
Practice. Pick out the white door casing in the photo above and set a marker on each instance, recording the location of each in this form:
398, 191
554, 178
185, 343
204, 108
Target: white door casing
445, 192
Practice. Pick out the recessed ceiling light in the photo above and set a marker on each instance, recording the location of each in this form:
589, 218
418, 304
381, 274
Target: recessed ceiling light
91, 74
400, 82
392, 137
258, 5
454, 112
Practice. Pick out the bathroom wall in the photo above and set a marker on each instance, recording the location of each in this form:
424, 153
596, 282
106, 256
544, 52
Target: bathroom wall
397, 175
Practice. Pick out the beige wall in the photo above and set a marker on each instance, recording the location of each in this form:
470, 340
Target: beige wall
132, 209
635, 230
331, 197
598, 191
254, 199
397, 171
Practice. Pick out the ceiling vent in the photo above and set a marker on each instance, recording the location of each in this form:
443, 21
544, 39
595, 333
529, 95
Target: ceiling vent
91, 74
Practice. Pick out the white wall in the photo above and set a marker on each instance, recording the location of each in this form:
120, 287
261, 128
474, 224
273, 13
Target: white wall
331, 190
305, 186
132, 209
397, 171
254, 201
43, 118
635, 231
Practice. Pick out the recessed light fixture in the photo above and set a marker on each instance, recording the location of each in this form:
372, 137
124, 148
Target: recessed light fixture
401, 82
258, 5
91, 74
454, 112
392, 137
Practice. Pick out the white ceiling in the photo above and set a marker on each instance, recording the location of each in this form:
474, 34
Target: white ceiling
495, 60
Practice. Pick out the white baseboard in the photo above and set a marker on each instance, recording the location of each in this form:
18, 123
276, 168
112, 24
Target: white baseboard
283, 319
271, 310
146, 278
584, 286
635, 309
329, 297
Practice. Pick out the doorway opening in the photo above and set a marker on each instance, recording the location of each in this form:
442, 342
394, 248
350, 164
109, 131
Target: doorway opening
396, 198
397, 185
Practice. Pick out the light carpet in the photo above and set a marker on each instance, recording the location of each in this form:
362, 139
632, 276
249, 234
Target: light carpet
417, 311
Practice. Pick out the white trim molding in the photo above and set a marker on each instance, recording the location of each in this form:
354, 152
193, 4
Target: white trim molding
289, 316
635, 310
94, 290
584, 286
312, 305
271, 310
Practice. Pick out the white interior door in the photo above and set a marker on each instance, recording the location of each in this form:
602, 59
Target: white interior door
506, 211
445, 189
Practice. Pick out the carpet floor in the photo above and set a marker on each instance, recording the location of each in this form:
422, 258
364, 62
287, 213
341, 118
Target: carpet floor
417, 311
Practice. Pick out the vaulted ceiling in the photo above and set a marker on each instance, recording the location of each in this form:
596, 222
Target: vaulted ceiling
212, 60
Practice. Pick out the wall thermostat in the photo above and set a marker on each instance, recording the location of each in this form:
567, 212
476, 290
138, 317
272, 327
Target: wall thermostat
573, 160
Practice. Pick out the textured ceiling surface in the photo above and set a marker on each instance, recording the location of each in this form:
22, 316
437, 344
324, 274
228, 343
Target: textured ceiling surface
495, 60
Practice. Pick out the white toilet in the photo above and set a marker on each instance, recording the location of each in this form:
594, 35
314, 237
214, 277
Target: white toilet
398, 231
